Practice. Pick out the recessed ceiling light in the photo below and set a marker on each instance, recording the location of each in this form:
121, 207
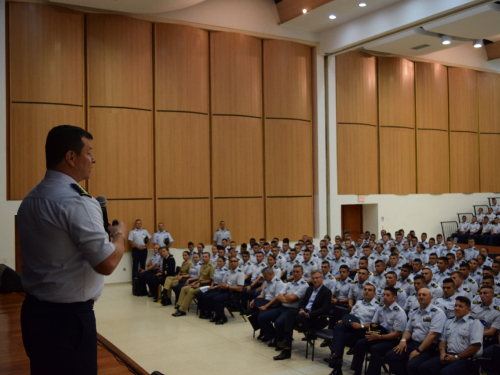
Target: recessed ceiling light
304, 10
362, 5
332, 16
478, 43
445, 39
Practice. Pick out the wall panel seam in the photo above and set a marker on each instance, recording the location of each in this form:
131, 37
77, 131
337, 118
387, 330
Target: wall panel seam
287, 118
175, 111
356, 123
179, 198
113, 107
289, 196
50, 103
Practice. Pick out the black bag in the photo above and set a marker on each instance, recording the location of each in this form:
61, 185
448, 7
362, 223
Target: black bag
139, 287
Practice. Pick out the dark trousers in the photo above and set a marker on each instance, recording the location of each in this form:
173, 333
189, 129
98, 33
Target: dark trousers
276, 315
146, 278
59, 338
344, 336
205, 301
177, 289
339, 310
488, 366
246, 297
138, 259
377, 348
304, 324
222, 298
435, 367
399, 364
154, 283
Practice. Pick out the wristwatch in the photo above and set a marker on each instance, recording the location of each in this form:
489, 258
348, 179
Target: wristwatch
456, 357
404, 340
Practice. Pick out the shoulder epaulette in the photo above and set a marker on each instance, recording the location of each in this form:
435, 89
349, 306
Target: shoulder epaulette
396, 308
331, 277
303, 282
415, 309
381, 304
353, 282
239, 270
476, 302
276, 279
412, 294
435, 286
400, 290
410, 282
472, 281
434, 309
81, 190
497, 308
471, 317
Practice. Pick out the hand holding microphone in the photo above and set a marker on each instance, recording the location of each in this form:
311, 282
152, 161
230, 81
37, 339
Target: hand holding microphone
117, 227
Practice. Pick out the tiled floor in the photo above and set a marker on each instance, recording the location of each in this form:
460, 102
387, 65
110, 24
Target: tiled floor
147, 332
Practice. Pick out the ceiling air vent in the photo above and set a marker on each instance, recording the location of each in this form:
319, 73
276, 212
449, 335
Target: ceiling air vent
420, 46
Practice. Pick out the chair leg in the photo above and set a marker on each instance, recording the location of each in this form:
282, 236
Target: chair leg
312, 344
307, 348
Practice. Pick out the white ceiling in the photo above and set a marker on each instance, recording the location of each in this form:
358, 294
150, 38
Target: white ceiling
317, 19
132, 6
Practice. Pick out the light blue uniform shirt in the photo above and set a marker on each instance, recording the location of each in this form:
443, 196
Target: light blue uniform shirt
219, 275
298, 288
234, 277
459, 334
62, 238
271, 289
421, 322
365, 310
159, 238
392, 318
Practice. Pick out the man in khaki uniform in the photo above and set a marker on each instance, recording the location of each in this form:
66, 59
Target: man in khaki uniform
188, 292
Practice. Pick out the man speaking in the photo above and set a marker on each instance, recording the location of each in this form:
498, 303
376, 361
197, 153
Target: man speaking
65, 252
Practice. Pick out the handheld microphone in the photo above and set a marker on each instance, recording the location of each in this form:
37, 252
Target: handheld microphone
103, 201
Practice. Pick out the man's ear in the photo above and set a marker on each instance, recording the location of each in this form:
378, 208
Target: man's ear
70, 158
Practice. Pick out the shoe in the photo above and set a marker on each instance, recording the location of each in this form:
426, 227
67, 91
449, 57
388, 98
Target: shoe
261, 336
326, 343
264, 339
214, 319
334, 358
221, 322
272, 344
337, 371
166, 301
350, 351
179, 313
151, 296
156, 299
285, 354
283, 345
203, 316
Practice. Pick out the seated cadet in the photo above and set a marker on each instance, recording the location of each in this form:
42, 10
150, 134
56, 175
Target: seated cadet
391, 282
452, 262
152, 267
488, 314
378, 279
393, 264
328, 279
468, 281
290, 297
495, 267
443, 272
494, 239
292, 261
417, 267
308, 265
348, 335
460, 257
490, 280
433, 248
421, 254
324, 255
189, 291
433, 259
406, 252
461, 339
447, 301
280, 258
173, 281
337, 262
405, 282
457, 278
271, 287
352, 259
271, 262
474, 272
215, 254
490, 215
246, 266
418, 344
463, 229
449, 247
357, 288
340, 295
205, 299
423, 240
167, 269
311, 315
483, 237
194, 273
249, 292
470, 251
231, 287
393, 319
435, 289
412, 301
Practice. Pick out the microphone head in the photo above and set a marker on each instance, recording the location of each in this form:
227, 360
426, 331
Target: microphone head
102, 201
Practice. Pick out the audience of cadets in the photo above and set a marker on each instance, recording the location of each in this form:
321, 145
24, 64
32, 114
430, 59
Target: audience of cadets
391, 319
310, 316
173, 281
189, 291
205, 298
194, 273
488, 313
435, 289
230, 289
348, 334
405, 282
494, 239
166, 269
221, 234
418, 343
289, 297
461, 339
271, 287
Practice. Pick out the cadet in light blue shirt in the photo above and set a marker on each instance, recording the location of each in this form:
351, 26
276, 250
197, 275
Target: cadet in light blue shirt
447, 301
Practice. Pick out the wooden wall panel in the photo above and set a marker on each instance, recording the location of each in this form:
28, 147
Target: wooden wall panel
397, 161
288, 159
237, 157
243, 217
490, 155
431, 87
396, 88
129, 211
236, 71
119, 61
357, 146
488, 89
46, 54
30, 124
464, 162
123, 148
356, 75
186, 219
181, 68
287, 80
290, 217
463, 99
433, 166
182, 145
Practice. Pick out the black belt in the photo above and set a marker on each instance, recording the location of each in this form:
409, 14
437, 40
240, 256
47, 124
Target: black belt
87, 305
